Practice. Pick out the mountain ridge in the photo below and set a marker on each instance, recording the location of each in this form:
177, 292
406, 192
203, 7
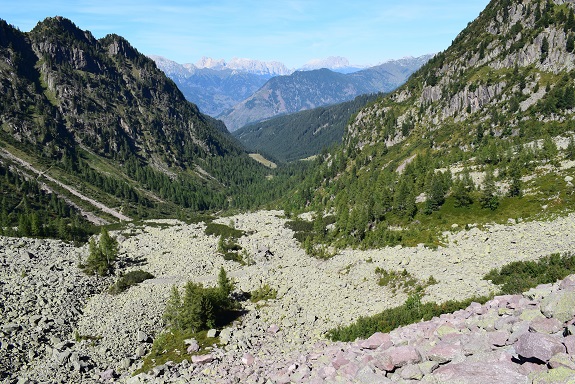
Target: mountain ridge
310, 89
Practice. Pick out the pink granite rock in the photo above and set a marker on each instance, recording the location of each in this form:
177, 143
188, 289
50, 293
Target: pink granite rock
401, 356
568, 283
107, 375
544, 325
248, 359
202, 359
479, 372
444, 352
349, 370
273, 329
498, 338
193, 347
569, 343
339, 362
383, 362
539, 346
377, 340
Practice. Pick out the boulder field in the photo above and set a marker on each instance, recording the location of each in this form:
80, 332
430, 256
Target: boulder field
60, 326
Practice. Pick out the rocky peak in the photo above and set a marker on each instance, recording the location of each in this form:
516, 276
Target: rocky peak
497, 63
117, 45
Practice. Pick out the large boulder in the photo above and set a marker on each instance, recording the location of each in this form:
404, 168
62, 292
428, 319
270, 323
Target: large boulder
539, 346
559, 305
473, 372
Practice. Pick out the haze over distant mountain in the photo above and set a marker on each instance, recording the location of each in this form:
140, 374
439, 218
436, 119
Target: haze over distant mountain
335, 63
311, 89
217, 85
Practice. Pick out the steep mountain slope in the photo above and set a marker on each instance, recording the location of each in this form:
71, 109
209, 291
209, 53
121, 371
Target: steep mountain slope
216, 86
310, 89
302, 134
483, 132
98, 116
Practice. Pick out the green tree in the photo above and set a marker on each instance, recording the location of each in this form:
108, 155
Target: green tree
191, 316
172, 313
570, 150
225, 284
101, 256
549, 150
489, 198
544, 49
515, 173
435, 193
570, 44
461, 193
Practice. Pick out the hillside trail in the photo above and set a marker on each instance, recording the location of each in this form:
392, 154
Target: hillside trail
90, 216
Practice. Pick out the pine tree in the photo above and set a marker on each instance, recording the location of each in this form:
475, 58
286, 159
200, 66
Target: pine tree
225, 285
108, 246
191, 313
570, 150
515, 173
461, 194
172, 313
489, 197
570, 45
544, 49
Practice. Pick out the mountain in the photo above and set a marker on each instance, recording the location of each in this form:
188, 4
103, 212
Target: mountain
481, 133
304, 90
335, 63
255, 67
217, 85
303, 134
99, 126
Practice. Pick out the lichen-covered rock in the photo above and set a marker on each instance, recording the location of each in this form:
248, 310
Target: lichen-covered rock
559, 305
539, 346
479, 372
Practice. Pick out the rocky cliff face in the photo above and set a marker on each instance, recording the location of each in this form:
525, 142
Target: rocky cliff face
101, 94
509, 59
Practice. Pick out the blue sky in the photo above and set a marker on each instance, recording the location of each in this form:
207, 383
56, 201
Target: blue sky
294, 32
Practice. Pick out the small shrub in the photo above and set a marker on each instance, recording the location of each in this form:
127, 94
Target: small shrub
224, 231
403, 281
520, 276
129, 279
265, 292
412, 311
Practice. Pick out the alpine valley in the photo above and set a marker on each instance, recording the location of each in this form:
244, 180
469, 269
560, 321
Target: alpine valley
427, 236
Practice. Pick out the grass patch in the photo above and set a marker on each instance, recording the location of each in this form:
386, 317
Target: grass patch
520, 276
412, 311
403, 281
170, 346
129, 279
227, 232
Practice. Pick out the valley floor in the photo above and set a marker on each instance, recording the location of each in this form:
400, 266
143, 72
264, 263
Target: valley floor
313, 295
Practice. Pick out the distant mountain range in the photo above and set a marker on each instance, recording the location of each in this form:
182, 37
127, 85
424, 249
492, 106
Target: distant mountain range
305, 90
222, 89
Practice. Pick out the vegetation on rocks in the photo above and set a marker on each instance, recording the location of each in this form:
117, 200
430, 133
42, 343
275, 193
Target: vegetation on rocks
404, 281
519, 276
265, 292
189, 316
128, 280
412, 311
102, 256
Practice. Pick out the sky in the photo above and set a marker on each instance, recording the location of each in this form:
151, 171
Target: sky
294, 32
